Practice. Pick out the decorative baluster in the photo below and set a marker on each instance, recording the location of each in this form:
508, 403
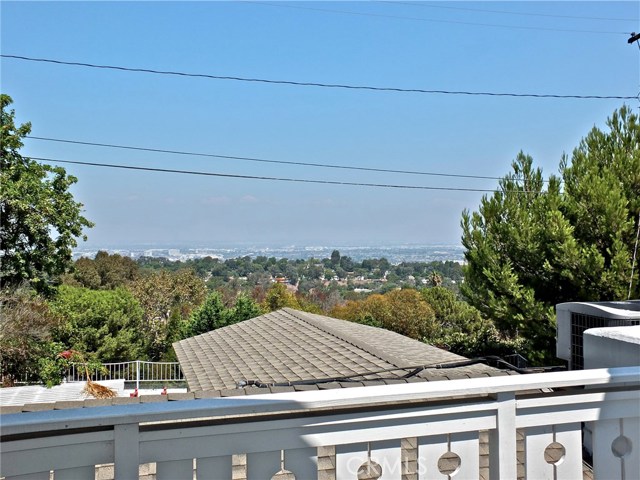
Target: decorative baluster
175, 470
213, 467
263, 465
303, 462
616, 449
370, 458
554, 452
446, 456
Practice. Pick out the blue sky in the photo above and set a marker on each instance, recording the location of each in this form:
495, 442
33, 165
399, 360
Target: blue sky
406, 45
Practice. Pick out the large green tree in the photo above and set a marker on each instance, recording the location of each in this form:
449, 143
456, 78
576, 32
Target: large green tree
536, 242
39, 218
103, 323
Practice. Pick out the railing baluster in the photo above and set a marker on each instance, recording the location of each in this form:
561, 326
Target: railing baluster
303, 462
175, 470
615, 448
386, 454
442, 456
213, 467
263, 465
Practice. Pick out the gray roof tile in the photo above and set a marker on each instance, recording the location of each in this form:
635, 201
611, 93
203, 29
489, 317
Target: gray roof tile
288, 346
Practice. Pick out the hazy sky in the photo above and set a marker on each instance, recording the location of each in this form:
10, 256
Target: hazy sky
514, 47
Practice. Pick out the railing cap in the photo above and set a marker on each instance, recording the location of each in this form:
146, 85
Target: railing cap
311, 400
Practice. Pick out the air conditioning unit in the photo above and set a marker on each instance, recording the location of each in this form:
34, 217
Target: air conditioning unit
573, 318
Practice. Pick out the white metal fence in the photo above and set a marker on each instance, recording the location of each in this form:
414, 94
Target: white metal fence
340, 432
137, 371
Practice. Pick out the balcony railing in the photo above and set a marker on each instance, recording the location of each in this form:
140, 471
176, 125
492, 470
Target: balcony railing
426, 430
136, 371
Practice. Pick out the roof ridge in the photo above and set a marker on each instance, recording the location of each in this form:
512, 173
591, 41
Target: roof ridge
353, 340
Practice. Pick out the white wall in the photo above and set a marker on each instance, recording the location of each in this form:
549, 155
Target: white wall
612, 347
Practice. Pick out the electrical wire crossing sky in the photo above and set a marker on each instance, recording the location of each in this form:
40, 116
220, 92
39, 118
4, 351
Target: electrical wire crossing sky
307, 123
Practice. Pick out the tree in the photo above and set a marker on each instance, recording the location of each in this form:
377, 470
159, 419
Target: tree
435, 279
534, 244
401, 311
461, 328
212, 314
167, 300
244, 309
105, 324
39, 219
104, 272
335, 258
278, 297
25, 334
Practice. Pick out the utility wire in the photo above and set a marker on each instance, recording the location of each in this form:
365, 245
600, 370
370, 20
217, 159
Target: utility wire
263, 160
254, 177
399, 17
523, 14
316, 84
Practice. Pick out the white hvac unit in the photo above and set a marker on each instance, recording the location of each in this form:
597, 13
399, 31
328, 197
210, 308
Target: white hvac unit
573, 318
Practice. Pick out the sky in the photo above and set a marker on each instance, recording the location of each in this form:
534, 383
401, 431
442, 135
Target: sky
562, 48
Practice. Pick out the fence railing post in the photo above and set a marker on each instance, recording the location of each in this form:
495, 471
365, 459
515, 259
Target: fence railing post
137, 374
502, 439
126, 451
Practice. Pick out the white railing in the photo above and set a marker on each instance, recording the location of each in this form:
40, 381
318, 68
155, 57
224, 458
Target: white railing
135, 371
418, 430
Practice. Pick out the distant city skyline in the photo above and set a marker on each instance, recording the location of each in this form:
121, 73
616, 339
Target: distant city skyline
250, 133
394, 253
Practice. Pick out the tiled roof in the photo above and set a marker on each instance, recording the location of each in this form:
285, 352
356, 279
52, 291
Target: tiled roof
292, 346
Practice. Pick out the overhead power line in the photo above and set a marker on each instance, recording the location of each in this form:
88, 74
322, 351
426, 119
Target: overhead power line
505, 12
399, 17
316, 84
263, 160
255, 177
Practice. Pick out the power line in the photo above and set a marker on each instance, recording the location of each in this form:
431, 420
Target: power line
399, 17
263, 160
316, 84
524, 14
276, 179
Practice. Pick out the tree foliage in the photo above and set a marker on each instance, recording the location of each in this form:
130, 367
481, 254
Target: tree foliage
462, 330
401, 311
105, 271
39, 219
534, 244
103, 323
213, 314
279, 297
26, 323
167, 300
